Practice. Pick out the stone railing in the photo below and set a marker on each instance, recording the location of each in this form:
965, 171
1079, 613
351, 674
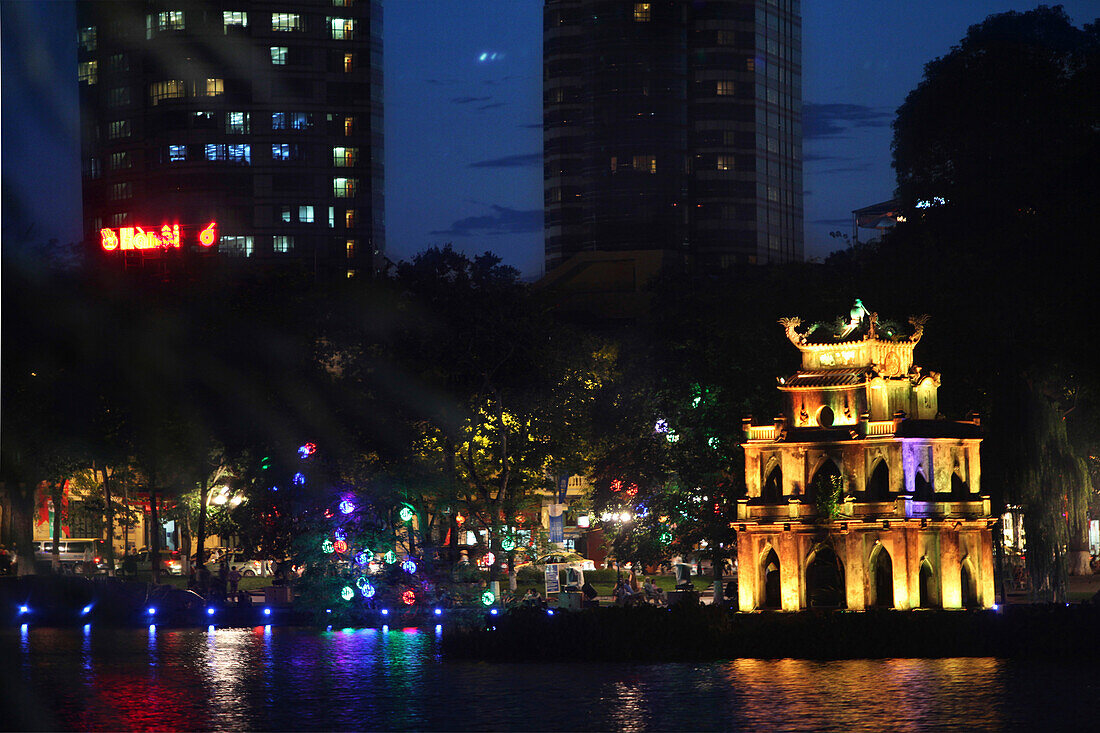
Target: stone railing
762, 432
901, 508
879, 427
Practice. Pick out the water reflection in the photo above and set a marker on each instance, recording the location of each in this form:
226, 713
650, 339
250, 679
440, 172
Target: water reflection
278, 678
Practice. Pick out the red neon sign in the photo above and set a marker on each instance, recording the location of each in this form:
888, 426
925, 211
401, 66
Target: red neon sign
136, 238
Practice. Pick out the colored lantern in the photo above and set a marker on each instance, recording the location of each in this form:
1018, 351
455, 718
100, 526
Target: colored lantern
306, 451
390, 557
665, 536
367, 591
661, 426
488, 598
507, 544
362, 558
347, 507
460, 520
409, 566
361, 582
340, 546
406, 514
327, 547
713, 442
299, 479
673, 437
339, 535
347, 593
486, 560
408, 598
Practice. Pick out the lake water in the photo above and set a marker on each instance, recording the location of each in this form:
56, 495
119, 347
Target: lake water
297, 679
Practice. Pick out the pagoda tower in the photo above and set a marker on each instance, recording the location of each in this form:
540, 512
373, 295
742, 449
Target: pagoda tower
861, 494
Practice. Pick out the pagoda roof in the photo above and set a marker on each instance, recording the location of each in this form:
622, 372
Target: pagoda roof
818, 378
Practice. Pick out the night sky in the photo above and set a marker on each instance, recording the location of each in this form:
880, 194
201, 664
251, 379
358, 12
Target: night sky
463, 115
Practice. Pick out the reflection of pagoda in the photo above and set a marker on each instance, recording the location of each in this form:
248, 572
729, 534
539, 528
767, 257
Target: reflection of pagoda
863, 496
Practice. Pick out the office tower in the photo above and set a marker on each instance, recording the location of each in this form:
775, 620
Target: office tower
673, 126
246, 130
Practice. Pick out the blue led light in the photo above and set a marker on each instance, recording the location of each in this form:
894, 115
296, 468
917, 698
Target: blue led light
24, 609
210, 611
86, 610
549, 612
152, 611
267, 612
385, 612
494, 611
439, 612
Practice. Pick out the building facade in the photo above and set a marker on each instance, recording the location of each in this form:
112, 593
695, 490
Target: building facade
673, 126
861, 495
248, 130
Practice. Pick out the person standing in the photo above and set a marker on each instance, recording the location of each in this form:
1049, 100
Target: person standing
234, 578
89, 560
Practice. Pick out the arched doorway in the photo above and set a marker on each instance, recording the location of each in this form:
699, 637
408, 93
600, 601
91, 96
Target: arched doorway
969, 586
878, 485
882, 579
928, 596
825, 479
922, 488
825, 580
773, 486
769, 576
959, 488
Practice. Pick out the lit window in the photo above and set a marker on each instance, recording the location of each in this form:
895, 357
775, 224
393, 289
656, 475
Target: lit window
278, 55
238, 123
641, 12
349, 126
241, 153
349, 247
342, 3
118, 129
171, 89
750, 64
300, 121
350, 218
332, 216
286, 22
724, 88
351, 273
725, 162
177, 153
88, 39
344, 188
88, 72
235, 245
214, 87
305, 214
215, 151
284, 214
645, 163
120, 161
773, 193
343, 29
237, 18
280, 151
278, 120
118, 97
349, 62
90, 168
118, 62
171, 20
282, 243
119, 191
344, 157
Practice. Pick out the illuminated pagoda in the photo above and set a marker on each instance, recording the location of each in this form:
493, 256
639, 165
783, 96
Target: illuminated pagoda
861, 495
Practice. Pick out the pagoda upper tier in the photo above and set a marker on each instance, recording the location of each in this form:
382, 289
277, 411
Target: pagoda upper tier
857, 368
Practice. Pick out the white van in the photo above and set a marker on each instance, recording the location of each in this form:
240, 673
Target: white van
71, 552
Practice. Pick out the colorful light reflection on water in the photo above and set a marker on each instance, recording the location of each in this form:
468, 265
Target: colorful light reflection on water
356, 679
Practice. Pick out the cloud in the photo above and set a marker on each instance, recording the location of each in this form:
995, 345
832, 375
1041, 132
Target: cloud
503, 220
510, 161
831, 120
470, 100
490, 106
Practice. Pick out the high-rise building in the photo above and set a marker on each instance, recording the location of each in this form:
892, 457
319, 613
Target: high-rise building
248, 130
673, 126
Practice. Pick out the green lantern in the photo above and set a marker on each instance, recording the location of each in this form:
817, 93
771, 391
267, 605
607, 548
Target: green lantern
507, 544
347, 593
665, 536
390, 557
327, 547
488, 598
406, 513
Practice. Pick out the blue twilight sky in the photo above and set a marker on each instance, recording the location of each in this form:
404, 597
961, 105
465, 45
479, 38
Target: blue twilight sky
463, 127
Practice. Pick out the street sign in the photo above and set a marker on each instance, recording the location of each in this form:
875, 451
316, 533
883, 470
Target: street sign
553, 582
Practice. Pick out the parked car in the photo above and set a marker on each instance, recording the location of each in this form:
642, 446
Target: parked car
170, 562
562, 558
71, 552
249, 567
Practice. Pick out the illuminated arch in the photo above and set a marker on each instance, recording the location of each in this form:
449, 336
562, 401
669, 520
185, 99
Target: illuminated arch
772, 489
968, 584
824, 581
880, 589
928, 590
827, 466
769, 593
878, 480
